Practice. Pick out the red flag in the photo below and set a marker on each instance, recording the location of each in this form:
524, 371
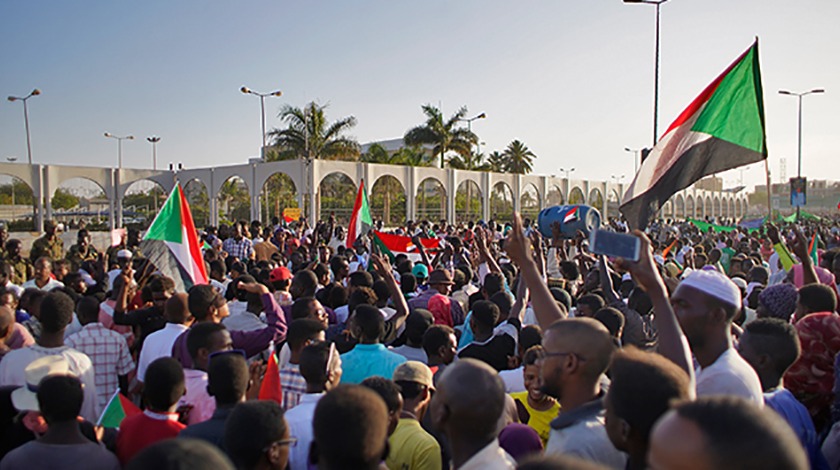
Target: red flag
360, 220
270, 388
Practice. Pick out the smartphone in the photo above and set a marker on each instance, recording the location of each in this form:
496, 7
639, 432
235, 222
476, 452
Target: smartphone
615, 245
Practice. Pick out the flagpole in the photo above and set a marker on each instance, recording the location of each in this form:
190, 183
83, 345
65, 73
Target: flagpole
769, 191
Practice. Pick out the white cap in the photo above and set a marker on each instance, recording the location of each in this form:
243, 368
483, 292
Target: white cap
25, 398
742, 284
124, 254
714, 284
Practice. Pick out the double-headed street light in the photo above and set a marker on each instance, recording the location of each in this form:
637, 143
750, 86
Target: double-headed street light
799, 99
262, 96
656, 3
34, 92
567, 172
469, 128
635, 153
119, 145
154, 140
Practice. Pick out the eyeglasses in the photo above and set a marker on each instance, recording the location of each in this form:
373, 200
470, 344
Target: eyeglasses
547, 354
282, 442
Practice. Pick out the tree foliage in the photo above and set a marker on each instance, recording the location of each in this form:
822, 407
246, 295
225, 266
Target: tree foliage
64, 200
308, 133
445, 135
518, 158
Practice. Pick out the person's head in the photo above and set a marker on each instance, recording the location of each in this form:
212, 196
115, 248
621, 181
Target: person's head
161, 288
724, 433
367, 324
60, 398
359, 296
504, 301
13, 247
468, 402
87, 309
485, 314
180, 454
777, 301
759, 274
228, 378
588, 304
309, 307
415, 381
206, 304
303, 332
56, 312
408, 283
705, 303
416, 324
531, 372
643, 386
390, 393
420, 273
814, 298
577, 352
339, 267
163, 384
493, 282
50, 227
43, 268
176, 309
204, 339
257, 436
304, 284
440, 344
350, 429
441, 281
613, 319
770, 346
320, 366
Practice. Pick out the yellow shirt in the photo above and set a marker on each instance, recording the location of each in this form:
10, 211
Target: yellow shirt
412, 448
539, 420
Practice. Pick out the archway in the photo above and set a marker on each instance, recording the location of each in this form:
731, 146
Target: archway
78, 201
613, 203
596, 199
387, 201
278, 193
679, 207
529, 202
430, 200
690, 208
576, 196
143, 199
554, 197
234, 201
707, 207
731, 212
718, 210
199, 201
468, 202
501, 202
17, 204
337, 194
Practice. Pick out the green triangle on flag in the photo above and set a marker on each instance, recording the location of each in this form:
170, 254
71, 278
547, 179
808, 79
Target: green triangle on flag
117, 409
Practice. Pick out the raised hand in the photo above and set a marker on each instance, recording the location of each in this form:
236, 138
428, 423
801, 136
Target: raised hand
644, 271
517, 245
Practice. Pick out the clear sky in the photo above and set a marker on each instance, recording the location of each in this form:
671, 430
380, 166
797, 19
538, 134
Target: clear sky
573, 80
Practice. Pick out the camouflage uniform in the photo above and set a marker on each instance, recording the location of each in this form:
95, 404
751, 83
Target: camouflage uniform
42, 247
76, 258
22, 270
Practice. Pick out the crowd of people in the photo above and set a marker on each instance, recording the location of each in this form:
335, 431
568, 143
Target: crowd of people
501, 348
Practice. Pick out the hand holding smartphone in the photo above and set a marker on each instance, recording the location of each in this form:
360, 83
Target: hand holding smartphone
615, 245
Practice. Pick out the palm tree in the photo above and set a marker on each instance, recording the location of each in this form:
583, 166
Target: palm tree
519, 158
309, 134
445, 136
472, 162
413, 156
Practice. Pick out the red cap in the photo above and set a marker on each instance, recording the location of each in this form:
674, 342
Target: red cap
280, 274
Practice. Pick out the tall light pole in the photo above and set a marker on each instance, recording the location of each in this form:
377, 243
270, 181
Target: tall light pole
154, 140
262, 96
656, 3
567, 172
635, 153
799, 100
470, 120
34, 92
12, 160
119, 145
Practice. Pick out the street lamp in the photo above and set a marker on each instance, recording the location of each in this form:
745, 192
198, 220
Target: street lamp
657, 3
154, 140
617, 179
799, 99
34, 92
469, 125
12, 160
567, 172
119, 145
262, 96
635, 157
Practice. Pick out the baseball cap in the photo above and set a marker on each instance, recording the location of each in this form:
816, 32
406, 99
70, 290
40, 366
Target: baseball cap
414, 371
281, 273
420, 271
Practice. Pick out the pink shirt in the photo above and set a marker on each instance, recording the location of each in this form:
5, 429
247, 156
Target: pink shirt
201, 404
19, 337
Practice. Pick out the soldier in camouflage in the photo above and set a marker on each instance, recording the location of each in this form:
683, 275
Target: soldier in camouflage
82, 251
50, 245
22, 269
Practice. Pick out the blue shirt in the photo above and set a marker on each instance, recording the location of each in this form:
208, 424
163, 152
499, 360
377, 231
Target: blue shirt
367, 360
785, 404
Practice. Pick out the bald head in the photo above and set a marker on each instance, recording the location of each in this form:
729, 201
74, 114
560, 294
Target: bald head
7, 317
177, 310
586, 338
470, 398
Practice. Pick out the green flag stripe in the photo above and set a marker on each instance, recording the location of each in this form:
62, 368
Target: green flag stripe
167, 225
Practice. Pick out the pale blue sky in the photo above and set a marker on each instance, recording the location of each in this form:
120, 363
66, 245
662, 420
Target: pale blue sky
573, 80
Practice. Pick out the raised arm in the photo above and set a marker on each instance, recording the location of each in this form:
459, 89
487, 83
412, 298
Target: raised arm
606, 281
383, 268
800, 248
481, 242
419, 245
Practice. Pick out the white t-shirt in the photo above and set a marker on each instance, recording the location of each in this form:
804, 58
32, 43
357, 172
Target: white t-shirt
730, 374
50, 285
157, 345
514, 380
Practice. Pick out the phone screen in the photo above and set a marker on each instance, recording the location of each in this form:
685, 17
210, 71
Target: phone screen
616, 245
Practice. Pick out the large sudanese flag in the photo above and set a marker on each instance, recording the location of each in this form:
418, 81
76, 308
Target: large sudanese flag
392, 245
361, 221
723, 128
172, 245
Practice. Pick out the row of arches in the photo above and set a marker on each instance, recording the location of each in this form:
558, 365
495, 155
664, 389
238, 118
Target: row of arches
682, 207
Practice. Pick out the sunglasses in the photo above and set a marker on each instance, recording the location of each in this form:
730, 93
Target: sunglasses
282, 442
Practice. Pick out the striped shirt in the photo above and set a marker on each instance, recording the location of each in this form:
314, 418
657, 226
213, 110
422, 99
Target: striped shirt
109, 353
293, 385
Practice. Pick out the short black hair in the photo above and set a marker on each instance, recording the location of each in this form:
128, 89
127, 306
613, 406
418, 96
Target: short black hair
416, 324
87, 309
162, 284
389, 390
180, 454
741, 435
504, 301
775, 338
436, 337
408, 283
199, 336
60, 398
350, 428
302, 330
593, 301
164, 383
359, 296
336, 296
644, 384
307, 280
612, 318
201, 298
250, 428
381, 289
313, 363
493, 282
485, 313
368, 319
360, 279
228, 378
300, 307
532, 355
530, 335
817, 298
56, 312
409, 389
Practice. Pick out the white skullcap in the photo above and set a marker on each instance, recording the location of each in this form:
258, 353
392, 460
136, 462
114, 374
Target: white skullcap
742, 284
714, 284
124, 254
